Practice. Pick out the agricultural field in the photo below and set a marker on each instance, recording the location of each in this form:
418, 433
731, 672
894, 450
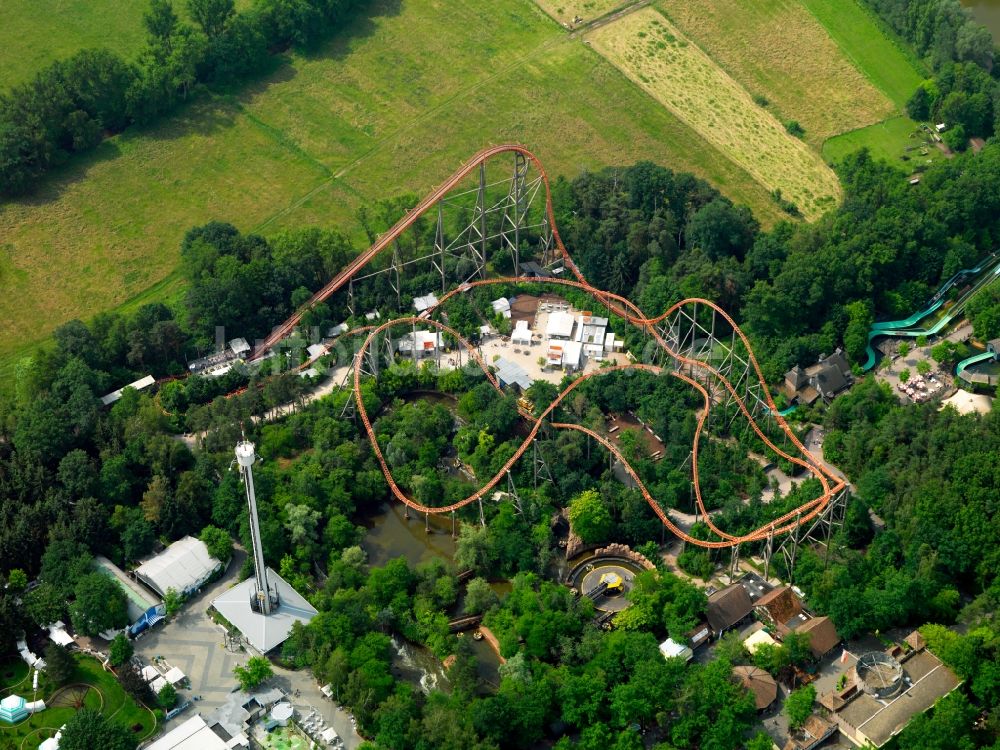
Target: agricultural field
564, 11
377, 113
888, 64
655, 55
821, 89
889, 140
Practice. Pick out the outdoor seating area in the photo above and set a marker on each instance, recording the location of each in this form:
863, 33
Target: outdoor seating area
920, 389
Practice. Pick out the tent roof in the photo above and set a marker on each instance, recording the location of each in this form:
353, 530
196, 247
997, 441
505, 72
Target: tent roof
182, 566
758, 682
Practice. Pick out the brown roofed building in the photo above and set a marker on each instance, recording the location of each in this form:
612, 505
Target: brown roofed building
759, 683
778, 607
811, 734
822, 635
874, 710
728, 607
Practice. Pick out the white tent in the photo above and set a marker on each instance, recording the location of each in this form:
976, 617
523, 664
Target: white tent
150, 673
501, 307
157, 685
758, 639
183, 566
174, 675
521, 333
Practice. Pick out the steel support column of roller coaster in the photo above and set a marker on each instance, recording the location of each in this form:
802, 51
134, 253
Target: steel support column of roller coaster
697, 342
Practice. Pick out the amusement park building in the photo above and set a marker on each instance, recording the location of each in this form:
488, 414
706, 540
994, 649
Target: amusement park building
727, 608
875, 718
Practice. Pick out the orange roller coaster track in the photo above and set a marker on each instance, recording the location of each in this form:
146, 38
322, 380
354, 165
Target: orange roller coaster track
831, 484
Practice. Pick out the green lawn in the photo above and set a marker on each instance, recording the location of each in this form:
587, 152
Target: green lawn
888, 64
107, 697
887, 140
393, 106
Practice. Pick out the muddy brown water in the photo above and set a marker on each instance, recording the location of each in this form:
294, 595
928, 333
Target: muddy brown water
987, 12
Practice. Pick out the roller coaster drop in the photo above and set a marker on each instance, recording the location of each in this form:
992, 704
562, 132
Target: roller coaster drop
694, 341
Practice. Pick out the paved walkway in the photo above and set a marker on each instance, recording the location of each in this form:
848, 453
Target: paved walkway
195, 644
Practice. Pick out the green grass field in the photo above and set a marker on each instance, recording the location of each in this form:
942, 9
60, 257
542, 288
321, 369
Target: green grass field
889, 65
564, 11
889, 140
654, 54
106, 695
33, 33
379, 112
821, 89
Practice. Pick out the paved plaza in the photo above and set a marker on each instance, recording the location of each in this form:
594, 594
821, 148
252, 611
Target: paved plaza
195, 644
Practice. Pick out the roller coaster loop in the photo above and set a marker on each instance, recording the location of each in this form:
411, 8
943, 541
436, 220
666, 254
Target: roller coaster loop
618, 305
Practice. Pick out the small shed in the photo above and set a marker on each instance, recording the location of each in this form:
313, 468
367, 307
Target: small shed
671, 649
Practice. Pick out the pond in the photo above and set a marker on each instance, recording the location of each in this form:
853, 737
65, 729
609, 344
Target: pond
391, 535
987, 12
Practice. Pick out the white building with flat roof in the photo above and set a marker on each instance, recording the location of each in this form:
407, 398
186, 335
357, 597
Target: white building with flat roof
193, 734
426, 343
572, 355
559, 326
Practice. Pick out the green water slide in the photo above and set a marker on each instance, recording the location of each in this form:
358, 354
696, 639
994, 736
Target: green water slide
904, 327
974, 359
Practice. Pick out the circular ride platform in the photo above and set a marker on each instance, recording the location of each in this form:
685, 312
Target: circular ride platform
618, 579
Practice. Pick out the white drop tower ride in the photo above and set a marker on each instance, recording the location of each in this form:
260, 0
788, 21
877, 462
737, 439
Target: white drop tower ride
264, 599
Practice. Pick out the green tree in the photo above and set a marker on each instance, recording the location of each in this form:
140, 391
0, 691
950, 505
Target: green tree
88, 729
17, 579
590, 517
479, 597
799, 705
256, 671
172, 601
211, 15
120, 650
167, 697
45, 604
99, 605
760, 741
923, 367
904, 375
219, 543
904, 348
59, 664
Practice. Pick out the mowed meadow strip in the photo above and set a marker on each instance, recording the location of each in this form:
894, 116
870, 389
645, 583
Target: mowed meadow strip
656, 56
777, 49
888, 63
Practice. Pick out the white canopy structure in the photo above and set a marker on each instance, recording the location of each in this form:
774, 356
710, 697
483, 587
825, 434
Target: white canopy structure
501, 306
183, 566
423, 303
521, 333
758, 639
174, 676
138, 385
